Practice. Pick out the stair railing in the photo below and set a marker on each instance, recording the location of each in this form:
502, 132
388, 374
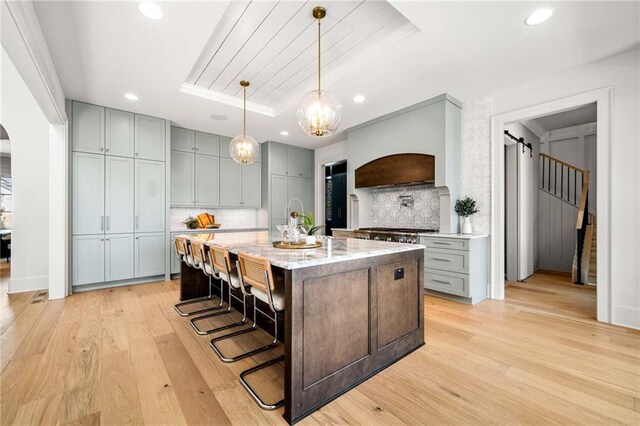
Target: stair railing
563, 180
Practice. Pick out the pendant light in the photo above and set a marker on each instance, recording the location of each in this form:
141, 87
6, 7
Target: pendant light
319, 112
243, 148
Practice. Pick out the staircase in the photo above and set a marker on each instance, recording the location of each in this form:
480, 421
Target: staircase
570, 184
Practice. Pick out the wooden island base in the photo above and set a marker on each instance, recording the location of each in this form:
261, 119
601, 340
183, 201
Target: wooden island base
343, 323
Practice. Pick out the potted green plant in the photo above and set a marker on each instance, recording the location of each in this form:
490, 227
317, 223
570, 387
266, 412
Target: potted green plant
465, 208
309, 228
191, 222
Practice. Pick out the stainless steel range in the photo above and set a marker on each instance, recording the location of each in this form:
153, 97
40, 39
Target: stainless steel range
398, 235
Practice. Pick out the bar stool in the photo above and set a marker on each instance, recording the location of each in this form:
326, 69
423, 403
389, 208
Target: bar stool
193, 254
255, 271
219, 261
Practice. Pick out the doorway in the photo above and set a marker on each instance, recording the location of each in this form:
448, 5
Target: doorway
601, 98
6, 189
335, 200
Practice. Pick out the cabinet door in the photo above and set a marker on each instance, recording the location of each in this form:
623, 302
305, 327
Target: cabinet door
206, 143
207, 180
119, 133
278, 200
224, 146
306, 163
118, 257
149, 203
278, 158
230, 184
88, 193
88, 259
294, 190
149, 255
175, 261
119, 179
182, 175
182, 139
306, 192
293, 161
88, 127
251, 185
150, 138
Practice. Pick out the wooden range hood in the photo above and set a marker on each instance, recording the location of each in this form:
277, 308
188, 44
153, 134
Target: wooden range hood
397, 169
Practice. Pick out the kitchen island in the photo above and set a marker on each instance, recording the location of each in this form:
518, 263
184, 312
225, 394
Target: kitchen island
352, 308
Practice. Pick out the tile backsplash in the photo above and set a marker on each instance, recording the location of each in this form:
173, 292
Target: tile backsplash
387, 211
228, 218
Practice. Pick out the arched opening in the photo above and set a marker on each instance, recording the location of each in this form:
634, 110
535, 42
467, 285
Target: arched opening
6, 191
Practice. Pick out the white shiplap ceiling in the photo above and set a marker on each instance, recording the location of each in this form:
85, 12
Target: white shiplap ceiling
273, 44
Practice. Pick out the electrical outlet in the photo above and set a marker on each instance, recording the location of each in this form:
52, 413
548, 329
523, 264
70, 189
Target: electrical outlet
398, 274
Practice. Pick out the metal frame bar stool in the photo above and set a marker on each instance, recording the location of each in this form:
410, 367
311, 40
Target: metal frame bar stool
253, 271
219, 261
257, 271
192, 253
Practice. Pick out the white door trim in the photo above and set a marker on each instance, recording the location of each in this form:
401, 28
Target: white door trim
604, 99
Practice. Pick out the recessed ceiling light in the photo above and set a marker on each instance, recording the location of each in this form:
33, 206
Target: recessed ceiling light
358, 99
284, 133
131, 96
539, 16
150, 9
219, 117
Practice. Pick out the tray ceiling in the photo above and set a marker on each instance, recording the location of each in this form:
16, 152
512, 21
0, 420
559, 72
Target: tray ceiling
274, 46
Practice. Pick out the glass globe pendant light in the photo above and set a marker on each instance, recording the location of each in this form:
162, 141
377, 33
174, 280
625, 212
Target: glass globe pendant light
319, 112
243, 148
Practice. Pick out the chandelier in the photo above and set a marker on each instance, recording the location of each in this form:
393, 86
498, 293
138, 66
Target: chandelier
243, 148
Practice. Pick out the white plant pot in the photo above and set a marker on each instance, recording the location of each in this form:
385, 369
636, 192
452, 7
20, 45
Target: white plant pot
311, 239
467, 228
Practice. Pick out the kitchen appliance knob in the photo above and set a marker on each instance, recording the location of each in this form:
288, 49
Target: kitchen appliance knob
402, 240
389, 239
376, 238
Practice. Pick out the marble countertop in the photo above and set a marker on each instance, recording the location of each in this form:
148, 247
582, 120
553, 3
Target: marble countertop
458, 236
333, 250
217, 230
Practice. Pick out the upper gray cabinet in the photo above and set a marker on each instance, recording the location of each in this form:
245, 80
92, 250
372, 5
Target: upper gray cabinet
150, 138
119, 132
182, 178
88, 193
278, 159
88, 128
224, 146
230, 183
182, 139
206, 143
251, 185
306, 162
207, 180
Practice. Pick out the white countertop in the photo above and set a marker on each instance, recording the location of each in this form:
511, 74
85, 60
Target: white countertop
459, 236
217, 230
333, 250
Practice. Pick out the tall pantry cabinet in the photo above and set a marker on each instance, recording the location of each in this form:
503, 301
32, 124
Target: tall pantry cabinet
118, 196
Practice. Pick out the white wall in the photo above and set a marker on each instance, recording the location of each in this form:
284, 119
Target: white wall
29, 133
621, 73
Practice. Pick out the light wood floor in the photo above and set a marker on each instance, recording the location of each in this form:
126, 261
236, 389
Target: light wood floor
123, 356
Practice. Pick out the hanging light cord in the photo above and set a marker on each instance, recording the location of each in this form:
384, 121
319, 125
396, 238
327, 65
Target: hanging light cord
318, 56
244, 127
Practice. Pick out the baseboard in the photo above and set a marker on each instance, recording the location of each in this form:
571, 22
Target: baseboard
21, 285
626, 316
552, 272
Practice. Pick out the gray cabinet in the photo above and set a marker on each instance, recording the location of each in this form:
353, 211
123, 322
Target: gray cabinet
278, 159
182, 178
230, 183
457, 266
118, 257
149, 138
207, 180
175, 261
302, 189
306, 160
251, 187
87, 128
119, 132
279, 200
88, 193
149, 196
88, 259
224, 146
293, 161
182, 139
149, 254
119, 195
207, 143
